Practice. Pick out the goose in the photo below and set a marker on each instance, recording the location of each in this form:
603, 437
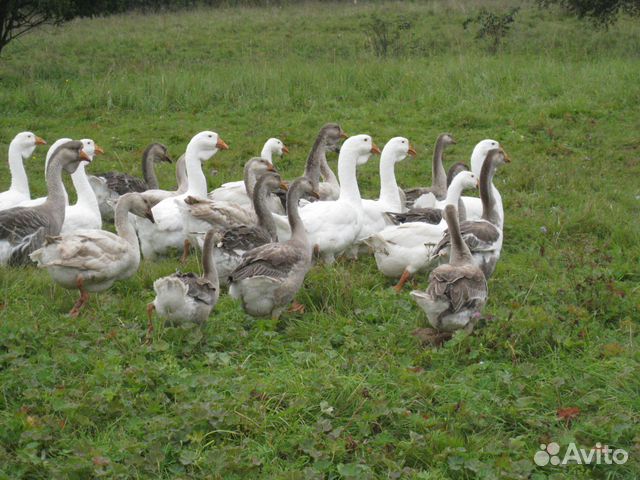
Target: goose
457, 290
156, 195
91, 149
85, 214
202, 213
473, 205
403, 250
235, 241
187, 297
431, 214
375, 219
114, 184
92, 260
420, 197
238, 192
168, 229
270, 275
483, 237
317, 166
21, 148
333, 226
23, 229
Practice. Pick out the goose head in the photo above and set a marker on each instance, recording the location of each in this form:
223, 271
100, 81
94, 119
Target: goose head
299, 188
467, 180
397, 149
455, 169
272, 182
497, 157
70, 155
275, 146
360, 147
158, 153
480, 152
206, 144
332, 134
54, 146
91, 148
26, 143
258, 165
446, 139
137, 204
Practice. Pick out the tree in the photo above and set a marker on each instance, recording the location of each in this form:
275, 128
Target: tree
600, 12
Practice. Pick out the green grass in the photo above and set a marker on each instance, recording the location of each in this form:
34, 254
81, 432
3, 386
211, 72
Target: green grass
345, 390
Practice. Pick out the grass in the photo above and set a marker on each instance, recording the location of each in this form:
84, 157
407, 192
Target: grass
345, 390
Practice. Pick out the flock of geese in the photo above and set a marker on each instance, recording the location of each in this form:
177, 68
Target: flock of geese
259, 236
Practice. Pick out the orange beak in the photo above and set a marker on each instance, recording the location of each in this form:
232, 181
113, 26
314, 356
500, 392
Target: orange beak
271, 168
220, 145
375, 149
315, 194
411, 151
284, 186
84, 156
99, 150
285, 149
344, 135
40, 141
507, 158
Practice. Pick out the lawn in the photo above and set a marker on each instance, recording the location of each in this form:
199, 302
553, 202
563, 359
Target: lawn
345, 390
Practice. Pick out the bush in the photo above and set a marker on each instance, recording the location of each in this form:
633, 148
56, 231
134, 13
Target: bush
385, 35
493, 26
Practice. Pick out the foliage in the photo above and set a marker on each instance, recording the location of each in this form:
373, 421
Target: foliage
601, 12
493, 26
386, 34
345, 391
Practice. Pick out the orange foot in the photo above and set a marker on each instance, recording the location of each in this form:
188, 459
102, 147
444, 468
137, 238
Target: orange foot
296, 308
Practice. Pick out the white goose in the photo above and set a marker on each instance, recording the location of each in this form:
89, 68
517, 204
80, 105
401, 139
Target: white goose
21, 148
483, 237
236, 192
168, 231
375, 218
403, 250
334, 226
473, 205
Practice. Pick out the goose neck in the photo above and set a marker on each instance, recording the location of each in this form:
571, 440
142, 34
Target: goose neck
266, 153
265, 217
208, 261
454, 191
123, 224
149, 171
487, 193
19, 181
314, 161
349, 190
389, 193
196, 181
298, 232
459, 253
439, 176
86, 195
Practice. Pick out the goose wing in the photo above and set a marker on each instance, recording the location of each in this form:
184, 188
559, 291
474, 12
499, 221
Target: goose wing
198, 288
425, 215
275, 260
462, 286
479, 236
123, 182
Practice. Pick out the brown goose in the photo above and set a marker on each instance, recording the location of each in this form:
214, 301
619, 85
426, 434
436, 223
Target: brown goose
187, 297
457, 290
483, 237
23, 229
438, 188
237, 240
109, 186
327, 140
432, 215
269, 276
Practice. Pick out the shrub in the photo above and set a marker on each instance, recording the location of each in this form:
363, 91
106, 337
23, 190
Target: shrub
493, 26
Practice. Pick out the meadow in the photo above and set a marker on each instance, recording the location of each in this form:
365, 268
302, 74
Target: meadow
346, 390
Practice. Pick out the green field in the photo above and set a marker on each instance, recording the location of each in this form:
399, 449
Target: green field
345, 390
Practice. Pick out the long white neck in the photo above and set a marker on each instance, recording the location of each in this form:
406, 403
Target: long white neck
19, 181
349, 190
454, 191
266, 153
195, 176
86, 195
389, 193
